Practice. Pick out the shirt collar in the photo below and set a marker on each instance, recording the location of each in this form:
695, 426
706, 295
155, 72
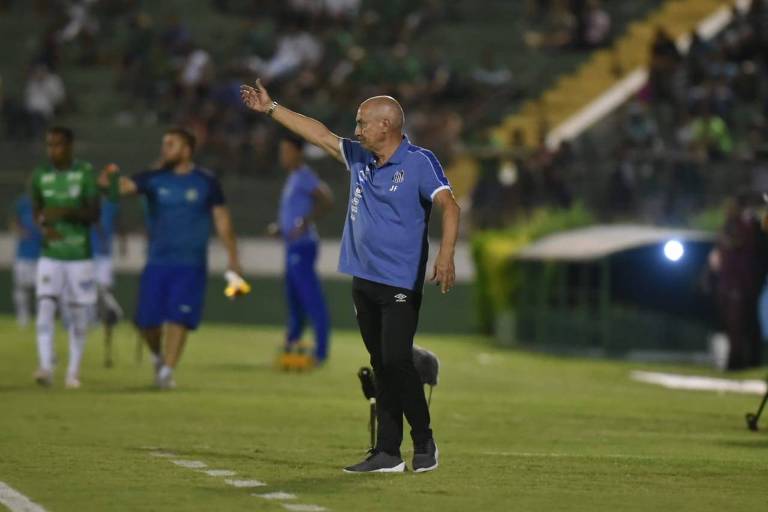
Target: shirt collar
402, 150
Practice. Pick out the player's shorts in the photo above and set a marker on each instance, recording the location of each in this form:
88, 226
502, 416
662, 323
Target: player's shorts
24, 273
70, 282
104, 271
171, 293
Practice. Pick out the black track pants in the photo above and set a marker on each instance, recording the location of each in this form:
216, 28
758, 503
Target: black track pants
388, 317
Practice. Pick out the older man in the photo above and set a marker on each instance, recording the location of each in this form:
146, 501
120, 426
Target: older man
393, 185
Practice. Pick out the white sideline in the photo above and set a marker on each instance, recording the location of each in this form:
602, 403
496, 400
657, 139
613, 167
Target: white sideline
697, 383
279, 496
622, 90
17, 502
245, 483
297, 507
191, 464
219, 472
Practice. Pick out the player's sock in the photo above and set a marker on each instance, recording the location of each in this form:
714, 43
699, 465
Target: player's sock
21, 301
46, 315
78, 331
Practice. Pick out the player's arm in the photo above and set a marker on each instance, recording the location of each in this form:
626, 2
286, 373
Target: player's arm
111, 182
222, 221
313, 131
444, 271
323, 200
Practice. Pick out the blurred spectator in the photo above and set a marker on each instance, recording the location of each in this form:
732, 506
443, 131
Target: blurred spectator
597, 30
739, 262
44, 93
665, 59
711, 137
490, 73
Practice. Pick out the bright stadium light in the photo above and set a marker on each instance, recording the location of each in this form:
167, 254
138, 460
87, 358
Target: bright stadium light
674, 250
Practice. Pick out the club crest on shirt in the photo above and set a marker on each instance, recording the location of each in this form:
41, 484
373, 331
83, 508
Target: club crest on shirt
191, 195
399, 176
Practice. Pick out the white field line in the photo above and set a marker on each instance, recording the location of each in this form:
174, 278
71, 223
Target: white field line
200, 465
17, 502
245, 483
219, 472
298, 507
163, 455
277, 496
190, 464
533, 455
625, 88
697, 383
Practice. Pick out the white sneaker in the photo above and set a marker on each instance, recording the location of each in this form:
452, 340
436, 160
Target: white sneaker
164, 379
72, 383
43, 377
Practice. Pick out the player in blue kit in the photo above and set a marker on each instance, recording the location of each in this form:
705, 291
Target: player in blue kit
304, 199
108, 310
29, 240
184, 202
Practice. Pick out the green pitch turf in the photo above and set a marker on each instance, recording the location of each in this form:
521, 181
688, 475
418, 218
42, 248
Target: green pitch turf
517, 431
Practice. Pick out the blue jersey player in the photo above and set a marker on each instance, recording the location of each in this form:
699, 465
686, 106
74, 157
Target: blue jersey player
184, 202
28, 245
304, 198
108, 311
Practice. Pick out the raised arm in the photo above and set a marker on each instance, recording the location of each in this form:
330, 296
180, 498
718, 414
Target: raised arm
313, 131
444, 272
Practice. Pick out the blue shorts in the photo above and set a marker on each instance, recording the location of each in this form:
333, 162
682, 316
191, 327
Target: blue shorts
171, 293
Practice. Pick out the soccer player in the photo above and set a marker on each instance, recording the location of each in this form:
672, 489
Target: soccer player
393, 185
66, 202
108, 310
304, 198
183, 202
28, 244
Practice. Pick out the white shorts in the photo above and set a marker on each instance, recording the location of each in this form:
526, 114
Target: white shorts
104, 271
24, 273
71, 282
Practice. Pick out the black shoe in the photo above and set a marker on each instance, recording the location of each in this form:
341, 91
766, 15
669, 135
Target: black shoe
378, 462
425, 457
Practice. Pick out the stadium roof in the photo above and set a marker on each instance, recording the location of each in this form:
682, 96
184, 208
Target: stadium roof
596, 242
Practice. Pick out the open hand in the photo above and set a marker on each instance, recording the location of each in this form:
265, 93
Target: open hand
444, 272
256, 97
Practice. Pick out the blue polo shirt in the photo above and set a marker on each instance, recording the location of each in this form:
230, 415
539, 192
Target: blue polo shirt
297, 202
103, 232
179, 217
30, 240
385, 233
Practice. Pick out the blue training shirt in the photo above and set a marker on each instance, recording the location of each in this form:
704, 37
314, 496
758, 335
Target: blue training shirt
30, 239
103, 232
297, 202
385, 233
179, 218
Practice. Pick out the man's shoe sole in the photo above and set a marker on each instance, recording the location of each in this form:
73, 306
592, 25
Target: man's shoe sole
430, 468
400, 468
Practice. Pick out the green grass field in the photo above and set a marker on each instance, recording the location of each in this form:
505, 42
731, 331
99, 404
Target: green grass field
517, 431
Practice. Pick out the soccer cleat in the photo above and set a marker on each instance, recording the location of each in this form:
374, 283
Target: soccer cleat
236, 285
296, 356
72, 383
378, 462
425, 457
164, 379
43, 377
